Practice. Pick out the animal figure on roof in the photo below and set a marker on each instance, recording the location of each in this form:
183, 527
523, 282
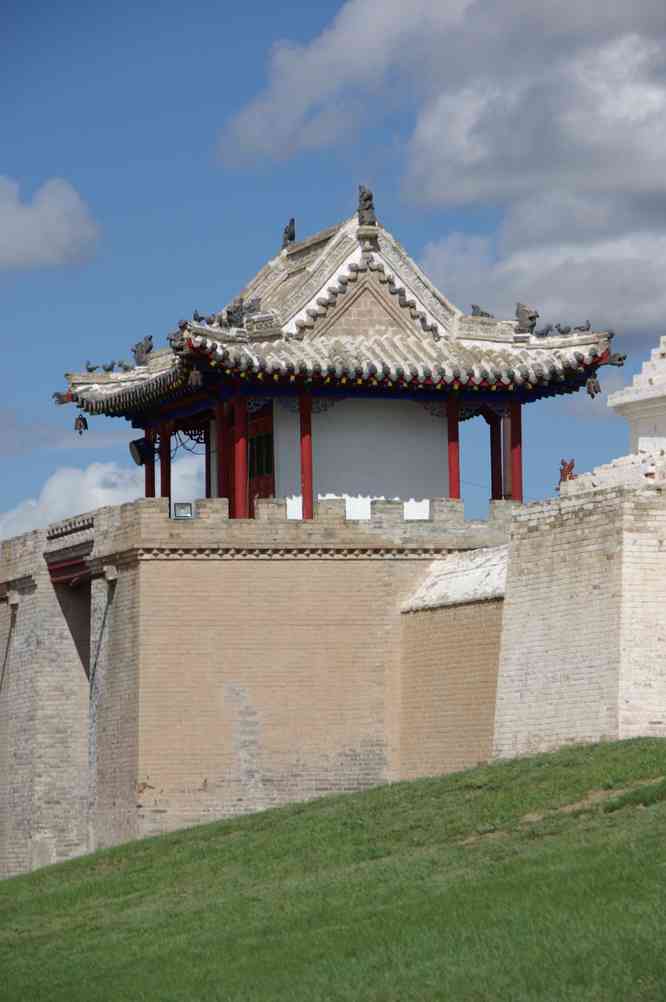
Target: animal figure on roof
142, 349
289, 233
366, 207
527, 317
478, 312
567, 470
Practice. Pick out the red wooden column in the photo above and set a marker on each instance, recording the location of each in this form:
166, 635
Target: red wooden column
241, 485
221, 447
452, 421
496, 457
516, 438
305, 410
149, 465
165, 460
207, 461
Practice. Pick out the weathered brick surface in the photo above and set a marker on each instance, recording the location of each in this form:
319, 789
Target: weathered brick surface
449, 676
208, 668
272, 687
583, 645
114, 708
219, 666
43, 713
642, 690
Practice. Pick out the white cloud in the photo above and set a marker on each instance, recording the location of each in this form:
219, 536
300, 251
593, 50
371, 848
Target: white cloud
70, 491
302, 107
616, 283
553, 114
55, 228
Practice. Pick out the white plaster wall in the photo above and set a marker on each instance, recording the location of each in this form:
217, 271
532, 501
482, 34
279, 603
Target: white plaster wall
365, 449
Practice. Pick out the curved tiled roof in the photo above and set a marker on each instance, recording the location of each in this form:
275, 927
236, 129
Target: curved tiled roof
297, 332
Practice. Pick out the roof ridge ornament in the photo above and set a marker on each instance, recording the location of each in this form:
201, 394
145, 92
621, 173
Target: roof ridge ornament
289, 233
527, 317
366, 207
142, 349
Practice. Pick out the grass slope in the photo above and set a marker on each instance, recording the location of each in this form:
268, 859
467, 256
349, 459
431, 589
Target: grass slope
476, 886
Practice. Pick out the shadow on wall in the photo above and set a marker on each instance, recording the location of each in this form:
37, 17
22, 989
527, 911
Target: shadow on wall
74, 604
8, 644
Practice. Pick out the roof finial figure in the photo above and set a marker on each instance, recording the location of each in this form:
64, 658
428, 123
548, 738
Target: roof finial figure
527, 317
366, 207
289, 233
142, 349
478, 312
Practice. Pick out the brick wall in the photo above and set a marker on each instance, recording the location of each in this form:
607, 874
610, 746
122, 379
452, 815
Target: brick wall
560, 654
449, 675
642, 689
114, 708
266, 682
43, 713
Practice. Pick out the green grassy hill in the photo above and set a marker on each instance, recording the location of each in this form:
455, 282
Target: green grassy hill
543, 878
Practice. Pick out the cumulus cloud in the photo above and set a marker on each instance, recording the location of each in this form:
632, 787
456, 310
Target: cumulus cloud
616, 283
54, 228
71, 491
555, 115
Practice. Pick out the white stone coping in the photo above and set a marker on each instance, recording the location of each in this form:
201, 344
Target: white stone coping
471, 576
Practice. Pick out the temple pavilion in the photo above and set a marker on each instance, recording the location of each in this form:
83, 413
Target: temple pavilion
340, 371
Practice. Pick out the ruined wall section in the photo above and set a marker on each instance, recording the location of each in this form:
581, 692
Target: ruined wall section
559, 672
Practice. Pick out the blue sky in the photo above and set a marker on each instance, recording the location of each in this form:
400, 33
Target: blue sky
153, 154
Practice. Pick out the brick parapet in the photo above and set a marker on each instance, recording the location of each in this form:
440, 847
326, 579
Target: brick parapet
144, 528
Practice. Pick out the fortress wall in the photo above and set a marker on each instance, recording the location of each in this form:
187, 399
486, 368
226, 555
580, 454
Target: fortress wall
17, 730
189, 670
60, 790
269, 650
642, 693
265, 682
114, 707
43, 713
560, 653
449, 675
